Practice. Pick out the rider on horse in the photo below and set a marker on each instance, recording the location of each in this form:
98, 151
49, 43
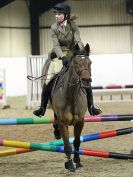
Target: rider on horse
65, 34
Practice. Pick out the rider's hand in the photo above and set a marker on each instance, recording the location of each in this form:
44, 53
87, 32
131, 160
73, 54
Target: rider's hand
53, 55
64, 61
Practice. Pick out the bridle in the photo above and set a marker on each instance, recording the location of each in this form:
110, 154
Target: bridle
79, 79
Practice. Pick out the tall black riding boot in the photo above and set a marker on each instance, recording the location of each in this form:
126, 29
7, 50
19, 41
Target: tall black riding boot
44, 99
92, 110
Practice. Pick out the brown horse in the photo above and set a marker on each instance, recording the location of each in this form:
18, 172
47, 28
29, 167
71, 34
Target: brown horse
69, 102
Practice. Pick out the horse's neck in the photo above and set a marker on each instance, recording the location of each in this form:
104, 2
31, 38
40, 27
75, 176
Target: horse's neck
70, 85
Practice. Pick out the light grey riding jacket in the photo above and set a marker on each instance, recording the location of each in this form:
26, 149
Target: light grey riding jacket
65, 40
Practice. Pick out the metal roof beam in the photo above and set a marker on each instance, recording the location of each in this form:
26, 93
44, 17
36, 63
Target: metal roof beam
46, 5
5, 2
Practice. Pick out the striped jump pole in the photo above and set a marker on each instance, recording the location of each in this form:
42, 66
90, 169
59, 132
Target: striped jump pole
82, 151
22, 121
13, 151
112, 86
45, 146
106, 118
84, 138
48, 120
106, 154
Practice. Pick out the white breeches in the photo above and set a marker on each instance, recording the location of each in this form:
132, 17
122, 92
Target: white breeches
55, 67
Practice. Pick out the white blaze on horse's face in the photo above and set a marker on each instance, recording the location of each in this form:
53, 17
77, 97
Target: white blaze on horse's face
82, 65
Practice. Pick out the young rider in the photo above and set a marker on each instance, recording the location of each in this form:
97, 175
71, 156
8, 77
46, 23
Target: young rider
65, 34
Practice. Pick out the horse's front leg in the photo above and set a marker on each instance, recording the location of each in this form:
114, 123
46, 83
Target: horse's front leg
67, 146
56, 128
77, 132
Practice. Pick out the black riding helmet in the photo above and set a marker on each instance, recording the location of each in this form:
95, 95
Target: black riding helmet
62, 8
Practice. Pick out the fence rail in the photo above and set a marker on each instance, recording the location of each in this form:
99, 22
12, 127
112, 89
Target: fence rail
113, 95
3, 100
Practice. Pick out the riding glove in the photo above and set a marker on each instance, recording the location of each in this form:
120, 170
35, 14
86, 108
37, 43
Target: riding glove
64, 61
53, 55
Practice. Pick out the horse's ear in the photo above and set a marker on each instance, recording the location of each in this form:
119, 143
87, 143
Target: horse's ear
76, 49
87, 49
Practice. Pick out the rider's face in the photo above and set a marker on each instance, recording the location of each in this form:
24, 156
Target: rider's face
59, 17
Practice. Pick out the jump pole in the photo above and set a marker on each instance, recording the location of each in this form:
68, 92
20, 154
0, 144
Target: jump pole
114, 86
48, 120
107, 118
13, 151
56, 144
82, 151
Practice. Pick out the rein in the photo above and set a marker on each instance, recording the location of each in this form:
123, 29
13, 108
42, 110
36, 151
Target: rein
76, 83
32, 78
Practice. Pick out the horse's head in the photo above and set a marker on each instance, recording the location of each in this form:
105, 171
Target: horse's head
82, 64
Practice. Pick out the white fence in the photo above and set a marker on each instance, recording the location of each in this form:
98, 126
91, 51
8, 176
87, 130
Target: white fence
35, 65
113, 95
3, 100
106, 69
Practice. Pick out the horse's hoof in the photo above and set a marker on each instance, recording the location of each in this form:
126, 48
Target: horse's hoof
78, 165
76, 159
69, 165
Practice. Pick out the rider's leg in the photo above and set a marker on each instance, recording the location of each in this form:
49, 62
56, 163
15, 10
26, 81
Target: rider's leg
92, 110
44, 98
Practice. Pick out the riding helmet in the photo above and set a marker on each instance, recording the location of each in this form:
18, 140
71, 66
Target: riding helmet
62, 8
